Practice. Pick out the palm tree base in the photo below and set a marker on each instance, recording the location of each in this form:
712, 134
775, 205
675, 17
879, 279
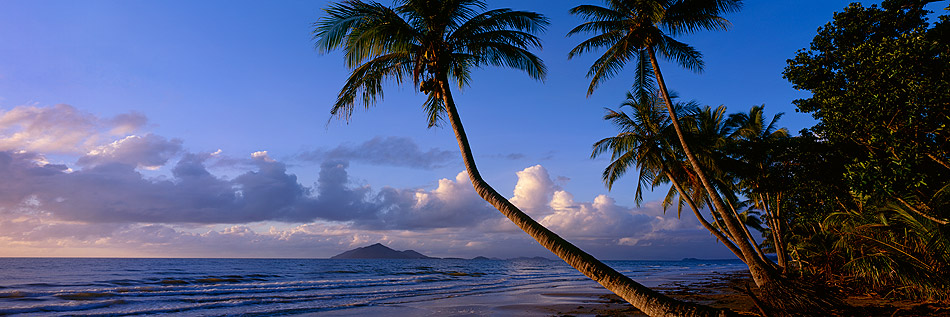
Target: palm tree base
790, 297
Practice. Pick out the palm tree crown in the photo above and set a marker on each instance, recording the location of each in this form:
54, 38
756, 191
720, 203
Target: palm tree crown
630, 29
646, 141
426, 40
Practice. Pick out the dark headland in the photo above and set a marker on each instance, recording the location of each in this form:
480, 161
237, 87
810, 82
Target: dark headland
379, 251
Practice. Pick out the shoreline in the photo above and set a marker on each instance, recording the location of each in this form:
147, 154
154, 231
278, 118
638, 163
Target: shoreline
714, 289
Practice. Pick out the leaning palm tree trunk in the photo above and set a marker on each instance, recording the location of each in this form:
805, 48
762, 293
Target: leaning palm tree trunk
641, 297
692, 205
761, 272
748, 235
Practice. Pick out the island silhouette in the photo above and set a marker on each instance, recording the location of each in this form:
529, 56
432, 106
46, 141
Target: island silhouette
380, 251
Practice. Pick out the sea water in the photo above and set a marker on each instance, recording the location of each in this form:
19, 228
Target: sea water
94, 286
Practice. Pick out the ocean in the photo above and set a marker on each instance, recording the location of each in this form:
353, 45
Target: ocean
215, 287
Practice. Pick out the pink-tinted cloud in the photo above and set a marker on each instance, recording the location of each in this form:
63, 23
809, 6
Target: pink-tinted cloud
61, 129
149, 151
104, 203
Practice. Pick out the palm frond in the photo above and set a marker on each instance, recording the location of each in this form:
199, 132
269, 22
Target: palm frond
363, 31
606, 39
435, 110
501, 54
501, 20
593, 12
609, 64
688, 16
681, 53
644, 83
624, 26
331, 30
366, 82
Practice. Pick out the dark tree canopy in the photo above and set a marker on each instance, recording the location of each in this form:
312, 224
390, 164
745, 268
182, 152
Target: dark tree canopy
875, 171
880, 79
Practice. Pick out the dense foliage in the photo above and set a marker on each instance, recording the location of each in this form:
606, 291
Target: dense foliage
860, 201
880, 84
876, 218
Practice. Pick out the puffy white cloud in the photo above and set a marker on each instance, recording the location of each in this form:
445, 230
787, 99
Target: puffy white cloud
601, 221
61, 129
534, 191
149, 152
452, 204
259, 155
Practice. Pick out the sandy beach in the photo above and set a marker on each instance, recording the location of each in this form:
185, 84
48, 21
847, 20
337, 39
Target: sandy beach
721, 290
583, 299
266, 287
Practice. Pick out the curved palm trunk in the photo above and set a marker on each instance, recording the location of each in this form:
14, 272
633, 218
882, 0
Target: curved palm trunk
748, 235
762, 273
641, 297
692, 205
745, 230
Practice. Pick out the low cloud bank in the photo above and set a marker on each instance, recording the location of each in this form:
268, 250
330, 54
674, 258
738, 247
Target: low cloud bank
104, 201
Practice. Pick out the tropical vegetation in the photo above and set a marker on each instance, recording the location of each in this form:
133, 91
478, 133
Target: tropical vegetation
858, 203
438, 43
880, 83
639, 31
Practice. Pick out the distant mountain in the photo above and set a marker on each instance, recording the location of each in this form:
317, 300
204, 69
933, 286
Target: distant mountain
379, 251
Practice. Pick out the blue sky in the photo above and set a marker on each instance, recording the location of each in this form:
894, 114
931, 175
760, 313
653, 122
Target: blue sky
125, 98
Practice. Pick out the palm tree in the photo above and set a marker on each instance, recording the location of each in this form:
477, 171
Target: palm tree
636, 30
757, 142
437, 43
711, 137
646, 142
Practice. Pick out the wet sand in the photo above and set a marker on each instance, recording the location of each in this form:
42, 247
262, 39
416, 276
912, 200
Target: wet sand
721, 290
585, 299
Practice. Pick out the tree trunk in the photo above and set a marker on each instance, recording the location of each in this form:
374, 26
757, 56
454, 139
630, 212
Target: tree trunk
748, 235
761, 272
641, 297
778, 234
721, 237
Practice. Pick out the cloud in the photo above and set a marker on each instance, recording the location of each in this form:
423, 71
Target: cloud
534, 191
386, 151
112, 207
104, 202
115, 192
452, 204
514, 156
61, 129
601, 220
149, 152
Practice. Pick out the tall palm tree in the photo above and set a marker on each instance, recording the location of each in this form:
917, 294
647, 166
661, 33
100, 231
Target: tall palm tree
636, 30
437, 43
